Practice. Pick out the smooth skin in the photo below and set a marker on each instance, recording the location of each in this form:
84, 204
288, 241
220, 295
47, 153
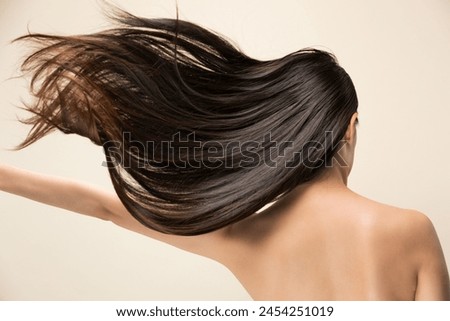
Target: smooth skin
321, 241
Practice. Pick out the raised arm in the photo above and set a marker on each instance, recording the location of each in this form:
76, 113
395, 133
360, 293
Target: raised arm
55, 191
88, 200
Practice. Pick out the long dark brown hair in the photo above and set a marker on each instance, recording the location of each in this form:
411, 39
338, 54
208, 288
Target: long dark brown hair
197, 135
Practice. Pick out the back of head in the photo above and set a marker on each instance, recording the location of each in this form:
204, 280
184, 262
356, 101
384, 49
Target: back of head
197, 135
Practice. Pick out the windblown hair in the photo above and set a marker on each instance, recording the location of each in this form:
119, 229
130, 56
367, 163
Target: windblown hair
195, 132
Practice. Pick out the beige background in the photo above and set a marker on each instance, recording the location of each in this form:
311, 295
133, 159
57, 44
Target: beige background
397, 53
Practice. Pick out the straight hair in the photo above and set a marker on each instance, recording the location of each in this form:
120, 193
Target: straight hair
196, 134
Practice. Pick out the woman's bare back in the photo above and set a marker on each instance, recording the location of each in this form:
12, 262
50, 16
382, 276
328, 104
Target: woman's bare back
332, 244
319, 242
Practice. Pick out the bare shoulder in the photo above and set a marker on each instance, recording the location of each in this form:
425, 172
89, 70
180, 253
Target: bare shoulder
433, 280
412, 230
409, 228
388, 218
409, 238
